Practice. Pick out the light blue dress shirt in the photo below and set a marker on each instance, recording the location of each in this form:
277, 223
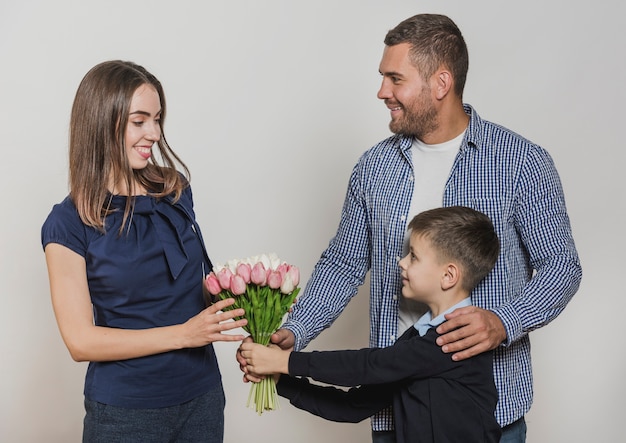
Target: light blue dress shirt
427, 321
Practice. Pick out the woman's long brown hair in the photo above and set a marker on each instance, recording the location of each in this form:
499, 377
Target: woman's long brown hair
96, 143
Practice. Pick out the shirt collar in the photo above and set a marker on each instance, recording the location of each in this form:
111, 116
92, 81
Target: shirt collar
426, 321
473, 133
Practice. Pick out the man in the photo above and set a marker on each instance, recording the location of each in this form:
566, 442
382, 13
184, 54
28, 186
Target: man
444, 154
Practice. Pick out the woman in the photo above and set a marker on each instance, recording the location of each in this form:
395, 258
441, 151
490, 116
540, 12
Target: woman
126, 263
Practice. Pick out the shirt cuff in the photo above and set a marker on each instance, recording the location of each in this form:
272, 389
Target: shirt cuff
511, 322
299, 332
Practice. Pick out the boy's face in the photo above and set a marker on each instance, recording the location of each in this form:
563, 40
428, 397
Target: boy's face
422, 271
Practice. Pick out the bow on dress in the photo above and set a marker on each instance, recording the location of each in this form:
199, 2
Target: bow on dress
169, 225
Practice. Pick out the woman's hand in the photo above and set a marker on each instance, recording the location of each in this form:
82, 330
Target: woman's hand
208, 326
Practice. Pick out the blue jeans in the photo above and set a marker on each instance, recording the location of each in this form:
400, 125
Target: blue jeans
383, 437
513, 433
198, 420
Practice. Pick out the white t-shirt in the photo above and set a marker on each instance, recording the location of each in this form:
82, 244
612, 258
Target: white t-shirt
431, 168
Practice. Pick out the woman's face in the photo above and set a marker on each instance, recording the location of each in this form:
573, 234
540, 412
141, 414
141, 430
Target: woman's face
143, 128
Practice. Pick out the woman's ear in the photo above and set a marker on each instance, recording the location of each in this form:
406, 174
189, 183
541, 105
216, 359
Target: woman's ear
451, 276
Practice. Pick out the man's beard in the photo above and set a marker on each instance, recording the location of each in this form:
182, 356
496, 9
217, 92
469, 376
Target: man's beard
419, 118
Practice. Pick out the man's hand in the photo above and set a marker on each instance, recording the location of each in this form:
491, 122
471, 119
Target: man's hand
470, 331
282, 338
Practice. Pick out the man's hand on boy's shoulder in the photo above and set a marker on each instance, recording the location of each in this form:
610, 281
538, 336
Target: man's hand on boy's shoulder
470, 331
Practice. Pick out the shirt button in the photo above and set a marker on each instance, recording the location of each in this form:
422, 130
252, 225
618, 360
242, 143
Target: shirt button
394, 297
403, 218
411, 178
392, 338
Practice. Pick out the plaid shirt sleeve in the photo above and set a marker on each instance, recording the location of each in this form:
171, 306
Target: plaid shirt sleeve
338, 274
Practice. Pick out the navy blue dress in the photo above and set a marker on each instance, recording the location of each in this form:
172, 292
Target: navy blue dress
148, 276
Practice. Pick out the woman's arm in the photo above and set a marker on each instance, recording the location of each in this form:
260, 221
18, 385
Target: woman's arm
86, 342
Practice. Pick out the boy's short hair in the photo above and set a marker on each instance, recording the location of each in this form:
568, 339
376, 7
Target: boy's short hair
462, 235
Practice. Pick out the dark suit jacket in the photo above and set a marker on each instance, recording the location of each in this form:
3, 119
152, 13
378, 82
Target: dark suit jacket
434, 398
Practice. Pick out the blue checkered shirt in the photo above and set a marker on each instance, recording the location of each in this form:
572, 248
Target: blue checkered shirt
497, 172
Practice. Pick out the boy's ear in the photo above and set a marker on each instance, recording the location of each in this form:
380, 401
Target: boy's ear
451, 276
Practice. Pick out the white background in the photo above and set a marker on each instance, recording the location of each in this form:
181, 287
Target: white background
270, 104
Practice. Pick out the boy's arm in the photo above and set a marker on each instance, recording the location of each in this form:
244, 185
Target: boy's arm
411, 356
327, 402
335, 404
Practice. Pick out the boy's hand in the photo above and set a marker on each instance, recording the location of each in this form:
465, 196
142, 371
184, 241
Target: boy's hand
243, 365
265, 359
470, 331
283, 338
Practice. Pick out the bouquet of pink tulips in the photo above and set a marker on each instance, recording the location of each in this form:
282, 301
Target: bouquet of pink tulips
265, 288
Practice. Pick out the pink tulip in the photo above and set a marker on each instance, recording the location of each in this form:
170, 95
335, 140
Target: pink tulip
295, 275
224, 276
274, 280
287, 285
237, 285
258, 275
212, 285
244, 270
283, 268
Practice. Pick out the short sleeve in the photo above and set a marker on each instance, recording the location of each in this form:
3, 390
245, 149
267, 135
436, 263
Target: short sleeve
64, 226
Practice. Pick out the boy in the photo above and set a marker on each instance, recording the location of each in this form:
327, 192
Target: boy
434, 398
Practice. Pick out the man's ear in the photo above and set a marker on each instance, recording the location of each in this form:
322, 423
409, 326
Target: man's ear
451, 276
442, 83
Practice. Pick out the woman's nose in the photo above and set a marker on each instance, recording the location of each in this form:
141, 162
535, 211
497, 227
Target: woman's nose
154, 132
